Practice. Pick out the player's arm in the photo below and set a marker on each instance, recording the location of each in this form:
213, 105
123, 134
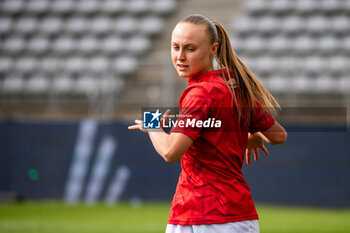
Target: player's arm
170, 146
276, 134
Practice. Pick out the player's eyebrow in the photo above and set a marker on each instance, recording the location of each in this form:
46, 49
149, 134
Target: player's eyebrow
186, 45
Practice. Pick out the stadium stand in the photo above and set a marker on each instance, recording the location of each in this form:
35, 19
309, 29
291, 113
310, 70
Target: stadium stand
294, 46
76, 47
297, 47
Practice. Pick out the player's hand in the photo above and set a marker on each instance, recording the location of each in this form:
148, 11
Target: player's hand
165, 117
255, 141
139, 124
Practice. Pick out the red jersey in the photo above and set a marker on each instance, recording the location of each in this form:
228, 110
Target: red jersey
211, 188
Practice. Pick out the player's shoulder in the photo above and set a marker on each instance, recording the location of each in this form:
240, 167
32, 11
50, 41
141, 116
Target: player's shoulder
215, 87
196, 90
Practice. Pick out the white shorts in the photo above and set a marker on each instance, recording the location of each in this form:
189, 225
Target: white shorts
251, 226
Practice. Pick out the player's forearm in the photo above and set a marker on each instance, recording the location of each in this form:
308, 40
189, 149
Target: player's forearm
170, 146
160, 141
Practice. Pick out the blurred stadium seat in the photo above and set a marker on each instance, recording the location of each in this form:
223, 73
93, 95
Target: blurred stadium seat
111, 6
268, 25
329, 45
244, 25
63, 7
86, 6
126, 24
76, 25
13, 83
87, 45
63, 45
13, 45
339, 65
37, 6
304, 45
344, 84
110, 84
255, 45
62, 84
88, 85
124, 65
281, 7
6, 65
37, 84
13, 6
51, 26
100, 25
151, 25
5, 25
26, 65
76, 64
277, 83
163, 7
98, 64
305, 7
138, 6
112, 44
25, 25
138, 45
317, 24
38, 45
49, 65
256, 7
292, 25
313, 65
302, 84
279, 45
340, 24
324, 83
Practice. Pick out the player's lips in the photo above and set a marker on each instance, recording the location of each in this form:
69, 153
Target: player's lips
182, 67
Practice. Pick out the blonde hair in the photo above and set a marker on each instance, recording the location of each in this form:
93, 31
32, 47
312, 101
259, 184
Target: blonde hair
250, 88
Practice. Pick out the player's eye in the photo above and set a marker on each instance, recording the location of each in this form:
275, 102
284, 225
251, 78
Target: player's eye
175, 47
191, 49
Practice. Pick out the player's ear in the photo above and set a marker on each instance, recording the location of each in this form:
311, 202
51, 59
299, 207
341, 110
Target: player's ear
214, 48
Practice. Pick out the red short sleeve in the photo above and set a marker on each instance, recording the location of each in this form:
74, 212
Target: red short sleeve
194, 107
260, 120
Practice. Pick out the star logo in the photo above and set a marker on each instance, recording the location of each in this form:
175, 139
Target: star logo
156, 115
151, 119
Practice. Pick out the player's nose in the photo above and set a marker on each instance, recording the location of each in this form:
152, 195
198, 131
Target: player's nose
181, 55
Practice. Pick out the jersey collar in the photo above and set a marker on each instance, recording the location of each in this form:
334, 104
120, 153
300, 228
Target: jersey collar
204, 77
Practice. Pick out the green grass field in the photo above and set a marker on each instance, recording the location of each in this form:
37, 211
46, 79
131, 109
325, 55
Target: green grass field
49, 217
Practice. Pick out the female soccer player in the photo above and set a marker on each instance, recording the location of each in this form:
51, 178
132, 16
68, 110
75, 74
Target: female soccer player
212, 195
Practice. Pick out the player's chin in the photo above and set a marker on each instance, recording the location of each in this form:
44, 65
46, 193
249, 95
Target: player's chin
183, 74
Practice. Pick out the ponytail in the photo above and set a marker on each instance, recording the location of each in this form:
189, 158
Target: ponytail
251, 90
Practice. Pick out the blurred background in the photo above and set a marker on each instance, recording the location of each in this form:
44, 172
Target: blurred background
75, 73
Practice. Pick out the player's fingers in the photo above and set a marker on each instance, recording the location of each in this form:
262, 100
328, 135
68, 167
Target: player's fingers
166, 114
139, 122
256, 154
249, 156
246, 156
132, 127
263, 148
165, 117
